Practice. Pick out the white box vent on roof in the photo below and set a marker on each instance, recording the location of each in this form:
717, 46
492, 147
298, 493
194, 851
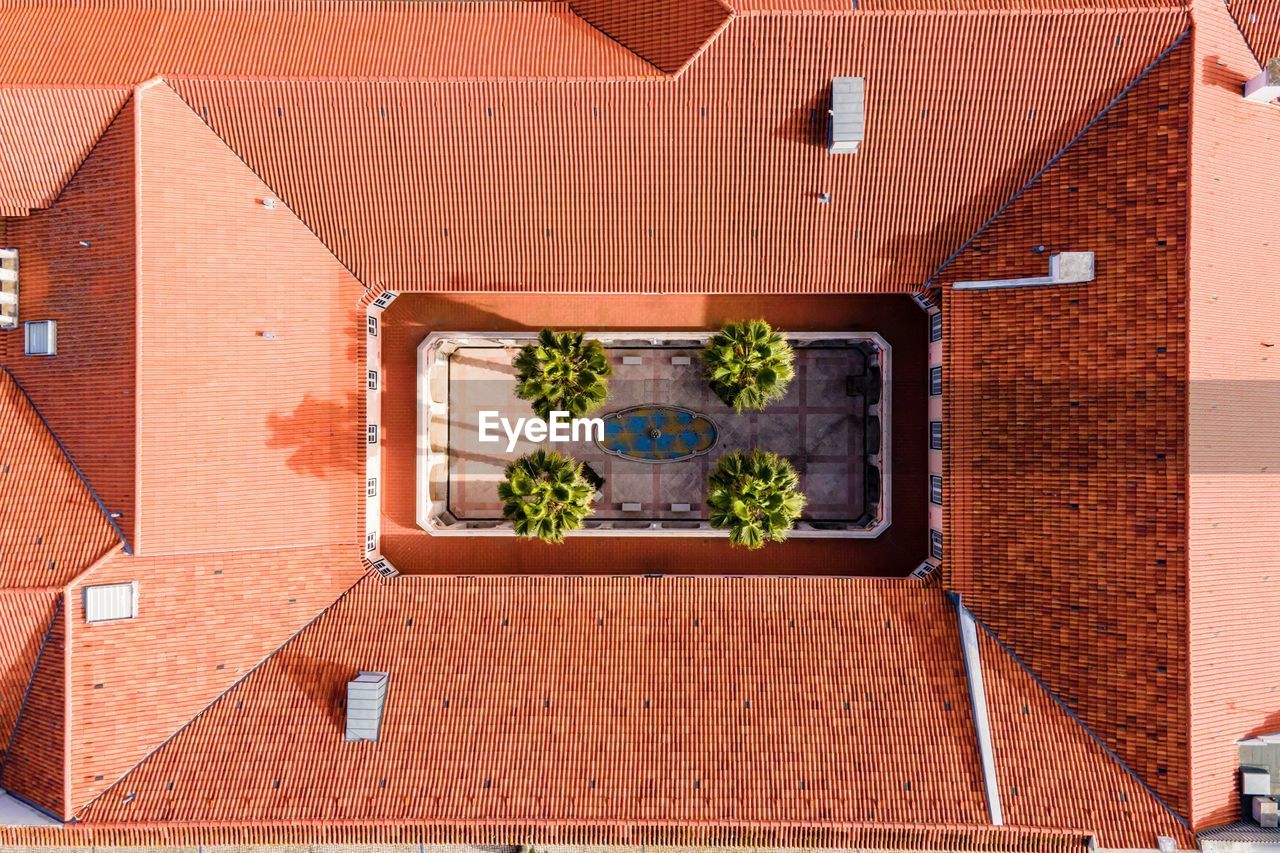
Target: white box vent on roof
366, 697
112, 601
40, 337
847, 115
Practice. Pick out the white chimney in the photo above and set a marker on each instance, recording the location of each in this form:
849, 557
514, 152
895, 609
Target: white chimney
366, 696
1264, 88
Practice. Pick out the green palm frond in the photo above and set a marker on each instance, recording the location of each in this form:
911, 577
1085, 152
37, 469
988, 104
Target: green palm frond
748, 365
544, 495
563, 372
755, 496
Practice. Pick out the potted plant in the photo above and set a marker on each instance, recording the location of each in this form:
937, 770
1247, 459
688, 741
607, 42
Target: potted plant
563, 372
755, 496
748, 365
545, 495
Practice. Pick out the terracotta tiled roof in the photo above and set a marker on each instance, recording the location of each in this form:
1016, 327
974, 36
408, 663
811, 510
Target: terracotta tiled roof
1259, 21
34, 761
234, 425
78, 268
557, 699
564, 705
1067, 527
1101, 537
1053, 772
708, 183
51, 528
62, 43
1234, 402
193, 449
203, 621
667, 33
24, 622
46, 133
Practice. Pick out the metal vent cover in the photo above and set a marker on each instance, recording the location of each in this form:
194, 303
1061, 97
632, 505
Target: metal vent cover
111, 602
40, 337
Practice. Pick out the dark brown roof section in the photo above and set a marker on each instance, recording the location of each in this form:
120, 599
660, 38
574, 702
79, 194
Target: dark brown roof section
666, 33
1066, 453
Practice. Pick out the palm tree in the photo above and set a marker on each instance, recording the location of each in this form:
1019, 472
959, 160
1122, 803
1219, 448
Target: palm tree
748, 365
545, 495
755, 496
563, 372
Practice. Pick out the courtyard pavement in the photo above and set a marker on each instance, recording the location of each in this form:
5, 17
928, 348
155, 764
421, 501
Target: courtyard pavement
413, 316
817, 426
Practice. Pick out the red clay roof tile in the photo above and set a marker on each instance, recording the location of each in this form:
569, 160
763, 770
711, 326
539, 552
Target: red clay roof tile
1234, 401
46, 133
667, 33
708, 183
543, 700
77, 267
51, 528
1259, 21
1068, 532
25, 616
203, 621
567, 702
34, 764
122, 44
1066, 528
1053, 772
233, 424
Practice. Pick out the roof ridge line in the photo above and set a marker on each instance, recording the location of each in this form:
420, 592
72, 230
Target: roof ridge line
92, 567
271, 654
65, 452
587, 832
1072, 714
931, 281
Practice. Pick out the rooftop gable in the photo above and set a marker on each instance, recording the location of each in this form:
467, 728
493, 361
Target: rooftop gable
52, 528
45, 134
249, 354
711, 182
1234, 402
666, 33
1066, 527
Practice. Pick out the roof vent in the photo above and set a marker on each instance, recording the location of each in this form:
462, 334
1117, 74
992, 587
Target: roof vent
8, 288
847, 113
40, 337
111, 602
1264, 88
366, 696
